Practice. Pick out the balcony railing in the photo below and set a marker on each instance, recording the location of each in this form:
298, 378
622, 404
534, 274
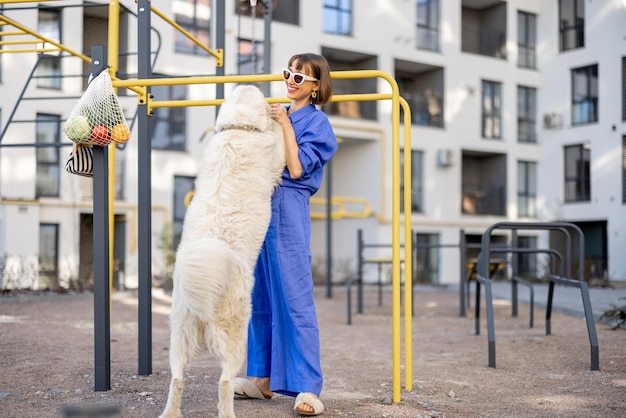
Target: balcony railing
489, 42
478, 201
426, 109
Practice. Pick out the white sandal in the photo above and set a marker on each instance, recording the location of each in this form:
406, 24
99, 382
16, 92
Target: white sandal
312, 401
247, 389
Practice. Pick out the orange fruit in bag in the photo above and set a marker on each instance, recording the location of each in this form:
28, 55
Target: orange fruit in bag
120, 133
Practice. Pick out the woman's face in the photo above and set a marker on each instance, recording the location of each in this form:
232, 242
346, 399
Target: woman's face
303, 91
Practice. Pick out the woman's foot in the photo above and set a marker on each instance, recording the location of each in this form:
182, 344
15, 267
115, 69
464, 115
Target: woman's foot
308, 404
254, 387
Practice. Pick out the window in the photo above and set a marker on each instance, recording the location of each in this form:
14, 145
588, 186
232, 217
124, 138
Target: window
424, 100
49, 68
526, 40
428, 24
168, 124
526, 189
48, 255
585, 95
492, 118
426, 269
526, 114
250, 57
624, 88
337, 18
624, 169
571, 24
194, 16
577, 173
416, 181
48, 165
182, 186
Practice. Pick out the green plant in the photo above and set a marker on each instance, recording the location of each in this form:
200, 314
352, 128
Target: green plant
615, 316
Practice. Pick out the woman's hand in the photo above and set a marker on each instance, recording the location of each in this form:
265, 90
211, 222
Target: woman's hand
279, 114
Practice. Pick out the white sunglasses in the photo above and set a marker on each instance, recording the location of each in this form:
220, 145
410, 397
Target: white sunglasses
298, 78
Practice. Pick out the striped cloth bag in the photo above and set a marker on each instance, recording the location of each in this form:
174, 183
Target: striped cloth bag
80, 161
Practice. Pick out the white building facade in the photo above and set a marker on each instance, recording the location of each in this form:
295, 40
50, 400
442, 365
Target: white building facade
517, 109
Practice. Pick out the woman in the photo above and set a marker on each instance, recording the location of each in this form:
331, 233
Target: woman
283, 336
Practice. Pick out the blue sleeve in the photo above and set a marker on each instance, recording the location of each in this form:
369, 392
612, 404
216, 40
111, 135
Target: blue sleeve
317, 144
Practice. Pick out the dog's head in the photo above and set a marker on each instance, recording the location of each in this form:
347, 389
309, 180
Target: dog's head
245, 107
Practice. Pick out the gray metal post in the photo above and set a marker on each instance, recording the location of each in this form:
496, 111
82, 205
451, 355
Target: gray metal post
101, 271
144, 224
267, 43
463, 254
514, 269
219, 9
360, 271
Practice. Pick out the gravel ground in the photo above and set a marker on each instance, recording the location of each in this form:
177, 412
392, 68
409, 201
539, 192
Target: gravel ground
46, 362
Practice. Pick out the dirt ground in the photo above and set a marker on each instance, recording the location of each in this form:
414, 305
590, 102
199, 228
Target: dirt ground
46, 362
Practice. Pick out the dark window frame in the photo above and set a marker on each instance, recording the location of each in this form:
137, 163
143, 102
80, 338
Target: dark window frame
577, 182
429, 25
527, 189
49, 274
196, 27
343, 12
168, 125
49, 69
577, 8
417, 181
585, 103
491, 92
48, 156
527, 40
526, 114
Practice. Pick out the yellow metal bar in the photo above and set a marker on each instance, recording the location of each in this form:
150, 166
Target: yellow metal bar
38, 50
25, 41
341, 212
408, 251
22, 1
13, 33
43, 38
112, 62
395, 238
217, 54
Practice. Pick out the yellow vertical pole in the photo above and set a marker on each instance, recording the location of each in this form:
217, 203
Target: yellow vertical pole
408, 252
112, 58
395, 240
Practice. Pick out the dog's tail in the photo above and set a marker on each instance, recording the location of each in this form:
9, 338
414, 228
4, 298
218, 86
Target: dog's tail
202, 273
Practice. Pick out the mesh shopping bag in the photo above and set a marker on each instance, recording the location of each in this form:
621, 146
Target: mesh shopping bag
97, 118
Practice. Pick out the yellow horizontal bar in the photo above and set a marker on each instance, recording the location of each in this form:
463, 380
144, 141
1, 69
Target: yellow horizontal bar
39, 50
340, 202
43, 38
21, 1
11, 33
31, 41
217, 54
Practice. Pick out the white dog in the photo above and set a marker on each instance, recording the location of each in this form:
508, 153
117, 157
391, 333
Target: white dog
224, 228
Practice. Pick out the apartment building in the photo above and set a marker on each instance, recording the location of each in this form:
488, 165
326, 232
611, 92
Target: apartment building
517, 114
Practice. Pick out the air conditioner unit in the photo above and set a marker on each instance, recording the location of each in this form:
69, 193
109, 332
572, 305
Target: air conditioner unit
553, 120
444, 157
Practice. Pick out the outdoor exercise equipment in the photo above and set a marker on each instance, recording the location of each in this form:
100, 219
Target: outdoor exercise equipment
101, 187
482, 278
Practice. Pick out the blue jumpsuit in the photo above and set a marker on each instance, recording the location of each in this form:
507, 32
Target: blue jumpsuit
283, 336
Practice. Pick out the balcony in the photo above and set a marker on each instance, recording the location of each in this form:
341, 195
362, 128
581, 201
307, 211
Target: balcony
483, 28
483, 183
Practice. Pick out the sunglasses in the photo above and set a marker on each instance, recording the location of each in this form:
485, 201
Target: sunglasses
298, 78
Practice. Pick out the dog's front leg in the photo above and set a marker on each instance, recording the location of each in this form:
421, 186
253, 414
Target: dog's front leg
172, 410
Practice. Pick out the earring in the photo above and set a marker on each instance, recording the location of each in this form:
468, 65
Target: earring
314, 94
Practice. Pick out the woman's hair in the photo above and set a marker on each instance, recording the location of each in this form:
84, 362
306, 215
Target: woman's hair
318, 67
